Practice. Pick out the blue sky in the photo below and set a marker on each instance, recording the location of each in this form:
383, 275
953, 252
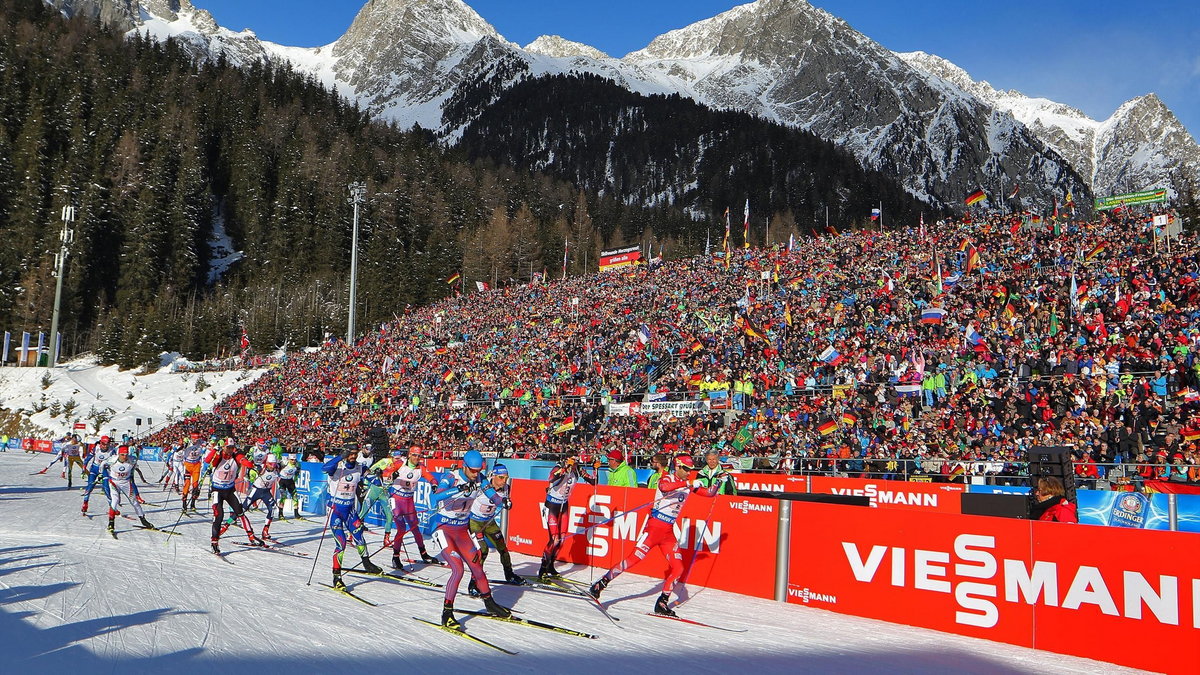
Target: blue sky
1091, 55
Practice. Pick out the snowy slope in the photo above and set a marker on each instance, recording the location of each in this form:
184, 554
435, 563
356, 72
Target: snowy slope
109, 396
73, 600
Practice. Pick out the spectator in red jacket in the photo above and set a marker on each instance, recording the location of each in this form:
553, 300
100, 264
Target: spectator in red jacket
1052, 503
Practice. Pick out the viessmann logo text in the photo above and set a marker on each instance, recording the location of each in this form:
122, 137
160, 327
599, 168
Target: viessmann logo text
601, 525
1123, 593
885, 496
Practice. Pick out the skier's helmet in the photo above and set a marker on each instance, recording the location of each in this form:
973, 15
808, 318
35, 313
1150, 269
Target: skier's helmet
499, 470
270, 459
473, 460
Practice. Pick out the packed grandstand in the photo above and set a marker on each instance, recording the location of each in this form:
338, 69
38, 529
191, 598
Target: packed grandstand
937, 350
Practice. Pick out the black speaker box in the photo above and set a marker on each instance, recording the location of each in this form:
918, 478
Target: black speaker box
1052, 460
1000, 505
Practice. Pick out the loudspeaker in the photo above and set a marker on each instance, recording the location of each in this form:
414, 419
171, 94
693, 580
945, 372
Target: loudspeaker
377, 440
1001, 505
1052, 460
224, 431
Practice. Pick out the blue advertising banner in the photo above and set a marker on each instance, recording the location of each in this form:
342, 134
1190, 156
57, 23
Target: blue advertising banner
14, 444
1123, 509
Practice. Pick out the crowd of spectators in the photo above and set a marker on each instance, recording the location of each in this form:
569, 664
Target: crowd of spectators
938, 351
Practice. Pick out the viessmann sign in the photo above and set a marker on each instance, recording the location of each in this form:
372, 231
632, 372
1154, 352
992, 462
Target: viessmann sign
1048, 586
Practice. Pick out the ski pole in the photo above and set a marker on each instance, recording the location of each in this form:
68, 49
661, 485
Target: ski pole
696, 552
317, 555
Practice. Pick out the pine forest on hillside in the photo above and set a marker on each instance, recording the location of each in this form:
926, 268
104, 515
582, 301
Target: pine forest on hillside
155, 151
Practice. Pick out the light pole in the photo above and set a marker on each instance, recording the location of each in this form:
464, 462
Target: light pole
66, 238
358, 193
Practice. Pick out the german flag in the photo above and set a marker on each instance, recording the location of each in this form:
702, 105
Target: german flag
454, 278
1096, 250
447, 376
697, 345
966, 244
976, 197
696, 379
972, 259
1189, 435
753, 331
1009, 310
827, 428
849, 418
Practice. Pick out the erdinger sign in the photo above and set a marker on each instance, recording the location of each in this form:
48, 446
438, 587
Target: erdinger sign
720, 538
1041, 585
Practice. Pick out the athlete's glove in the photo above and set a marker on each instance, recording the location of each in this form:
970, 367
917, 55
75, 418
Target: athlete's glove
596, 465
466, 487
507, 503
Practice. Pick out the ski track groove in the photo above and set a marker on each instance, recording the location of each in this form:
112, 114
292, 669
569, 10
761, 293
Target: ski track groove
254, 615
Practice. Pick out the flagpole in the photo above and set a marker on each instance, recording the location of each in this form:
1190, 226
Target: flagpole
881, 216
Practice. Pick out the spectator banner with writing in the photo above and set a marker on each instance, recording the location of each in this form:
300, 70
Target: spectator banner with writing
659, 408
1034, 584
1131, 199
721, 539
944, 497
620, 257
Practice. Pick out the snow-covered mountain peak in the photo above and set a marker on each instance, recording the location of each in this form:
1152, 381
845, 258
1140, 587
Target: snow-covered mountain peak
560, 47
761, 28
386, 23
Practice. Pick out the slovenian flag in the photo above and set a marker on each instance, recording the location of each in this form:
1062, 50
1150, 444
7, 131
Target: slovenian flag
830, 356
933, 315
906, 390
827, 428
874, 214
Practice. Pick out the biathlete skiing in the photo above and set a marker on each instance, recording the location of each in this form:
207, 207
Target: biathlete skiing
227, 465
96, 463
406, 474
672, 492
345, 473
457, 490
119, 472
483, 526
562, 481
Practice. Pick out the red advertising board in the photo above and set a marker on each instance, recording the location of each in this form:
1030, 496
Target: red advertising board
43, 446
942, 497
770, 482
720, 538
1050, 586
620, 257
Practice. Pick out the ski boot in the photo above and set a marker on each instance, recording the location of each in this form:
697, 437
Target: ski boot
139, 499
428, 559
597, 588
337, 580
112, 528
397, 563
548, 573
448, 619
514, 578
216, 548
42, 471
266, 533
494, 608
84, 509
254, 541
473, 590
370, 567
661, 608
146, 524
387, 539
